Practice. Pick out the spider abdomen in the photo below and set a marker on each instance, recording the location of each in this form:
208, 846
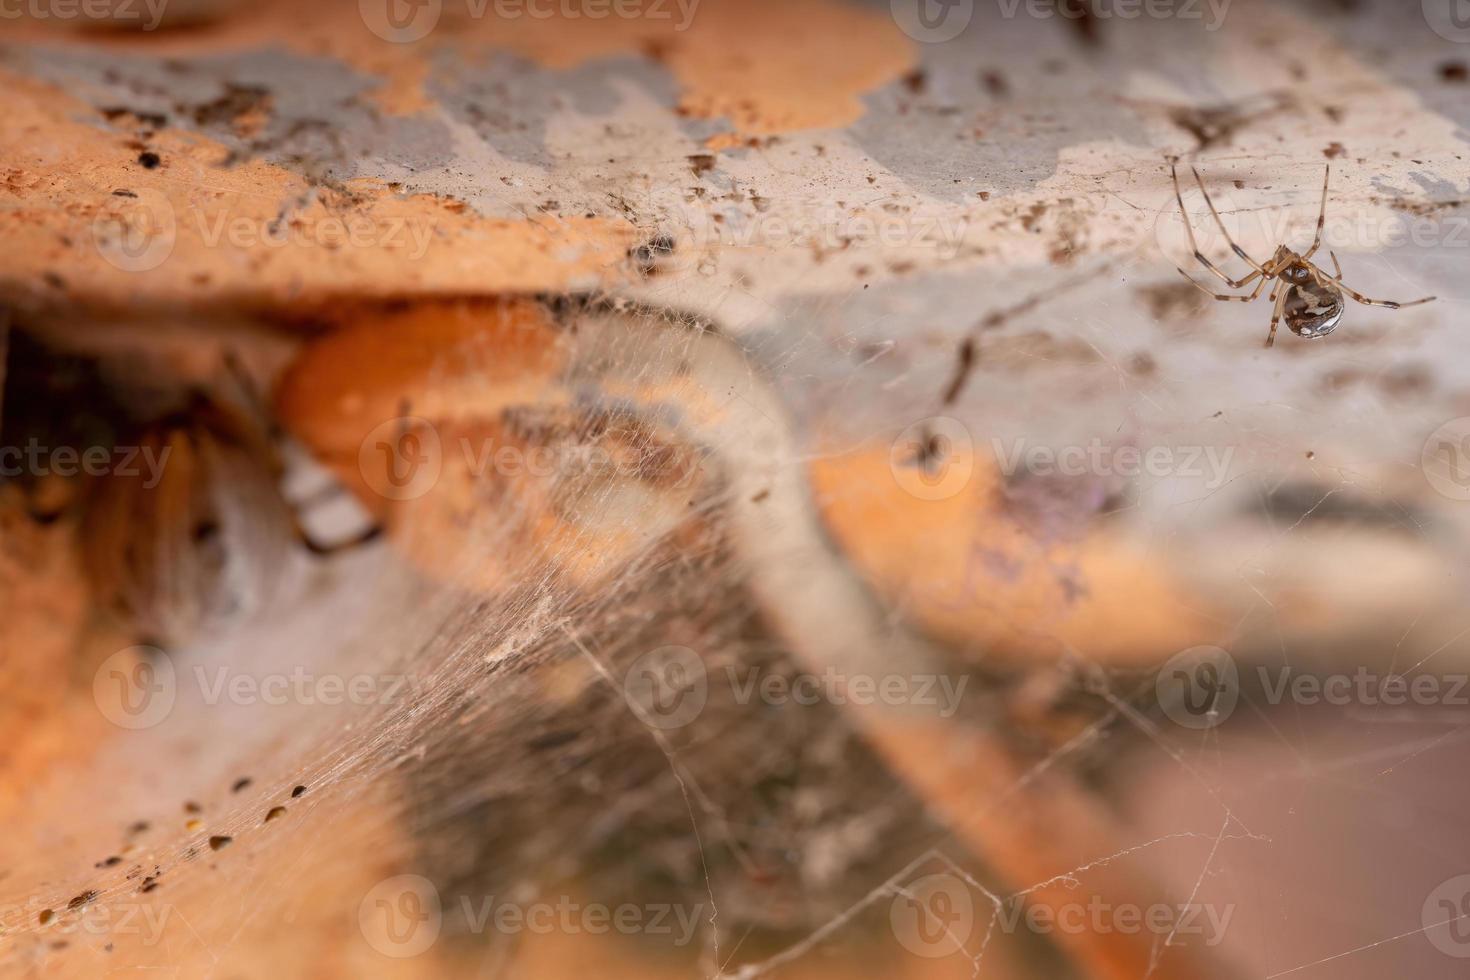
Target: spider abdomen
1312, 309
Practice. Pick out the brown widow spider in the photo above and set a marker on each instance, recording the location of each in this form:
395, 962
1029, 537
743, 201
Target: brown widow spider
1311, 301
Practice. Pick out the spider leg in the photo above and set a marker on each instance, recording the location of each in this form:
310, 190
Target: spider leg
1321, 215
1336, 269
1223, 230
1227, 296
1276, 316
1391, 304
1194, 246
1337, 281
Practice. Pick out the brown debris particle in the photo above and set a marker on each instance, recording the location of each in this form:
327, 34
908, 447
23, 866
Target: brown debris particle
964, 367
1334, 150
1454, 71
275, 813
85, 898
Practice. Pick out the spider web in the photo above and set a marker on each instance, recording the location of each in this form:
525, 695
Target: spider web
507, 752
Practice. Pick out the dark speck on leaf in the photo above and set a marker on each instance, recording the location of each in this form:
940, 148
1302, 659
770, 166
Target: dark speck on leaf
297, 791
219, 841
45, 917
150, 160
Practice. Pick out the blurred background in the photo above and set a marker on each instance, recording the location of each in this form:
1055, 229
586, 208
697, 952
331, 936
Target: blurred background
503, 488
